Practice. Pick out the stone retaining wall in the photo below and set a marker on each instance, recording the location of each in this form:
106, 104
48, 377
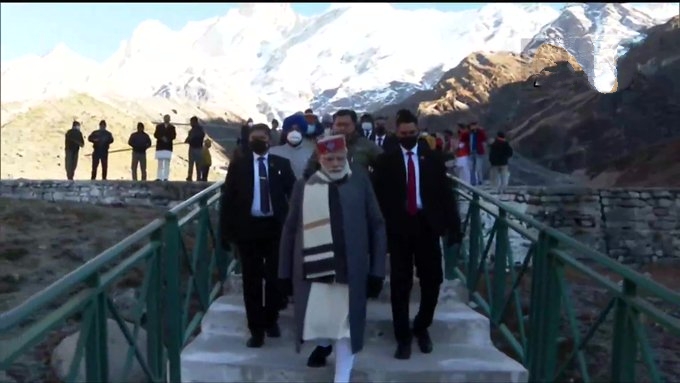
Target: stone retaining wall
111, 193
631, 225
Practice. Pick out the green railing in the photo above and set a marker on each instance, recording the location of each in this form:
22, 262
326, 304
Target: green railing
177, 288
537, 344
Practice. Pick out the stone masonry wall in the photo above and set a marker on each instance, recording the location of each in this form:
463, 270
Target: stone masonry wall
111, 193
631, 225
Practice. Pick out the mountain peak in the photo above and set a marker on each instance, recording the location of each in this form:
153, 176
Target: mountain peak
61, 52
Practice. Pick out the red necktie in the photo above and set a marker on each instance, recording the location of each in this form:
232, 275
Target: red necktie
411, 204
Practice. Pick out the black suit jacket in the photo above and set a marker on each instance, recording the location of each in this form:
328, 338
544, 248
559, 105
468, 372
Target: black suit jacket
236, 221
436, 191
389, 143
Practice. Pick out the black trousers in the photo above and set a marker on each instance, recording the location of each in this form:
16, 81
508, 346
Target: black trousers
259, 258
98, 157
420, 247
203, 173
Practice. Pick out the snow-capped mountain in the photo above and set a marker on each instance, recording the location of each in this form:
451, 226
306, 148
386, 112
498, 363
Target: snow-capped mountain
264, 60
594, 33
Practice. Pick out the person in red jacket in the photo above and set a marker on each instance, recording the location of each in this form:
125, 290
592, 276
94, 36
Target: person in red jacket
477, 142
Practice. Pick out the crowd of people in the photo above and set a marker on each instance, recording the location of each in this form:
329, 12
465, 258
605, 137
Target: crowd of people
199, 156
316, 217
464, 152
314, 206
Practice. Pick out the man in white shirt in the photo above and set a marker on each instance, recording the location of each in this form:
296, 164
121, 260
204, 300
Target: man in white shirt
254, 206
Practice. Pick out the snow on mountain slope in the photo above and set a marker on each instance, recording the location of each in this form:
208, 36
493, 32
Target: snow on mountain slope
52, 75
594, 32
355, 51
264, 60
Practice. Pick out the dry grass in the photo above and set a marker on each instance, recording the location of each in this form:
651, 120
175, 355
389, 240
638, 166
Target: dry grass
41, 241
32, 136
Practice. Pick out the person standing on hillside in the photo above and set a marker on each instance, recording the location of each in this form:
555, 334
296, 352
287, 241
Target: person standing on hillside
416, 198
297, 150
206, 161
165, 133
195, 141
360, 150
74, 140
477, 153
500, 152
101, 140
139, 141
254, 205
332, 256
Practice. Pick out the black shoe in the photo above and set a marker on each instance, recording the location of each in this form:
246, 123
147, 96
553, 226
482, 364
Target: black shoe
274, 331
424, 341
255, 341
318, 357
403, 351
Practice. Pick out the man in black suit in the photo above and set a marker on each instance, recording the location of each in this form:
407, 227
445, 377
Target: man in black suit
417, 201
254, 206
382, 137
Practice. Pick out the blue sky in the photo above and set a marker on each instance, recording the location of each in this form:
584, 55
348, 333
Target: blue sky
96, 30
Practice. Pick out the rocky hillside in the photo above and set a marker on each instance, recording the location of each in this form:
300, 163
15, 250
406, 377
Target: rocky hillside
555, 117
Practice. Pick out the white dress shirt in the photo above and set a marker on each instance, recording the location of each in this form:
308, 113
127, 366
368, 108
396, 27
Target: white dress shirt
255, 208
380, 140
416, 163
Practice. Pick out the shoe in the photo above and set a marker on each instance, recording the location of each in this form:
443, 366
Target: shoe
255, 341
318, 357
274, 331
403, 351
424, 341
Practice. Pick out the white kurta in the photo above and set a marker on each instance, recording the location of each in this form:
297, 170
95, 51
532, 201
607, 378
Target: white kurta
327, 312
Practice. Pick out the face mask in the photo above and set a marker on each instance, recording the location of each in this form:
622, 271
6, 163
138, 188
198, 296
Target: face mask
366, 125
258, 146
77, 127
294, 138
380, 130
250, 124
408, 142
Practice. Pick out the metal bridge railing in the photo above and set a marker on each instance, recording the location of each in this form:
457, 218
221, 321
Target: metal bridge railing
179, 286
176, 291
536, 344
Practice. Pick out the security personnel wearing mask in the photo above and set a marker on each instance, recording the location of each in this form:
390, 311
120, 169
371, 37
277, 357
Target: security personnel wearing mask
254, 207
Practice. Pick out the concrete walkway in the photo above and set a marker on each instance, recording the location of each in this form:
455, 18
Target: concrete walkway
463, 351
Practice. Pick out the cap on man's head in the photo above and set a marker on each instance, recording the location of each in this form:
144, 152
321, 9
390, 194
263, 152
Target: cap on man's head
331, 144
309, 111
102, 122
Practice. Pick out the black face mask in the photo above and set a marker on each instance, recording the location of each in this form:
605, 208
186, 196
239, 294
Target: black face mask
380, 130
408, 142
258, 146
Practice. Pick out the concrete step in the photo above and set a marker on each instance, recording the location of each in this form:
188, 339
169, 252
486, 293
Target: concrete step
450, 291
222, 358
454, 322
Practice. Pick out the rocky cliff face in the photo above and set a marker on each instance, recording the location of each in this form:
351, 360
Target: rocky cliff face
555, 117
